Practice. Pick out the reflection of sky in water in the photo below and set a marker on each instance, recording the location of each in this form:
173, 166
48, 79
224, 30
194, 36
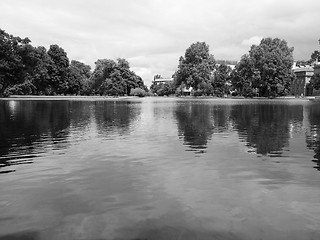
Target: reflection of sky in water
12, 106
132, 170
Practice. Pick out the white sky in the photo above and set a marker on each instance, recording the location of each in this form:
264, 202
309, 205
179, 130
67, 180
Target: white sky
153, 34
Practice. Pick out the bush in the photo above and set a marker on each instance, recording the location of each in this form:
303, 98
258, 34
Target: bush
138, 92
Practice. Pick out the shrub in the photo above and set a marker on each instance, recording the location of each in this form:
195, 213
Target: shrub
138, 92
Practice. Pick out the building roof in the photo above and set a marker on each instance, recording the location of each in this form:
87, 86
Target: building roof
303, 69
163, 79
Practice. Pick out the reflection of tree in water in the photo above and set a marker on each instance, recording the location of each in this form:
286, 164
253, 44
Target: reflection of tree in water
313, 135
29, 128
198, 121
80, 115
220, 116
266, 127
115, 116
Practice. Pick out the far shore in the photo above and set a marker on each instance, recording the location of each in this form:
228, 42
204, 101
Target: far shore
103, 98
75, 98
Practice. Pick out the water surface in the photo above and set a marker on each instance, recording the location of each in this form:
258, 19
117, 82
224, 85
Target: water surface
159, 168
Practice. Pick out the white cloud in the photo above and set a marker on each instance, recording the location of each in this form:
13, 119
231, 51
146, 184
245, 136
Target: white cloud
153, 34
255, 40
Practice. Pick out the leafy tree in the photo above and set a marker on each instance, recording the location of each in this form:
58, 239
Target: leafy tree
131, 79
114, 85
114, 78
41, 77
204, 88
84, 70
78, 78
16, 60
315, 56
272, 60
196, 67
163, 89
29, 59
243, 76
58, 69
315, 81
267, 68
220, 80
102, 68
145, 88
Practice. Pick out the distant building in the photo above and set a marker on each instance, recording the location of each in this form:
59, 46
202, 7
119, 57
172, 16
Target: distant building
187, 91
162, 80
300, 85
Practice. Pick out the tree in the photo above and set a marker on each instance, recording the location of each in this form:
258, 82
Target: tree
41, 77
114, 78
267, 68
315, 56
16, 60
58, 68
220, 80
242, 76
131, 79
315, 81
196, 67
273, 60
102, 69
163, 89
78, 78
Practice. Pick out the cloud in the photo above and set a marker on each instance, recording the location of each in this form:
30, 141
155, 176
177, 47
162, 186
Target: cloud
153, 34
255, 40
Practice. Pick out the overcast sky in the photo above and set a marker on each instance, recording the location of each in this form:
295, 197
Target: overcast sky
153, 34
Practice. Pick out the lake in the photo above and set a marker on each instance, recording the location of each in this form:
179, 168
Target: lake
159, 168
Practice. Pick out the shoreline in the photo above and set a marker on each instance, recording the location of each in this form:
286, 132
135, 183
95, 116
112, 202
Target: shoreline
104, 98
66, 98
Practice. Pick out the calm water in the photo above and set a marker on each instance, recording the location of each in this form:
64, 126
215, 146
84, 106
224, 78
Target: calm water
159, 168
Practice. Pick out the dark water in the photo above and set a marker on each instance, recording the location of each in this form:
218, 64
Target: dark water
159, 168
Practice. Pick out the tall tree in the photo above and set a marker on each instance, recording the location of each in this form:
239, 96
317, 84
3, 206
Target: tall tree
220, 80
78, 78
267, 67
195, 67
242, 77
16, 60
132, 80
41, 77
103, 68
273, 60
58, 69
114, 78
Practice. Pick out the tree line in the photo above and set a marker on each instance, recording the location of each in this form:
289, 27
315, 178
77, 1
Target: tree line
29, 70
266, 71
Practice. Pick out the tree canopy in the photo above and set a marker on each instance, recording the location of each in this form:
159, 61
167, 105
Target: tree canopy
114, 78
17, 60
267, 68
196, 67
25, 69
